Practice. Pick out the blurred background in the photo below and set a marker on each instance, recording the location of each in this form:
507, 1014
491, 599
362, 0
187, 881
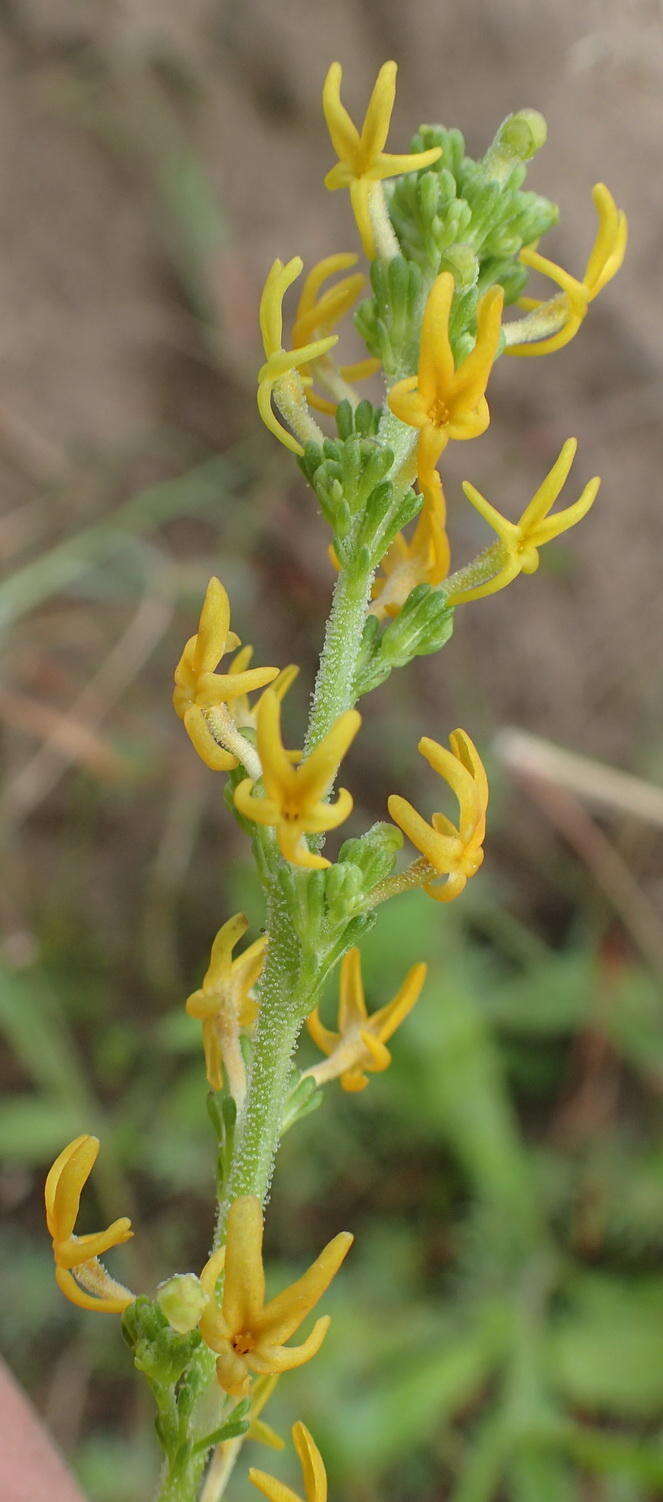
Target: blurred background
496, 1332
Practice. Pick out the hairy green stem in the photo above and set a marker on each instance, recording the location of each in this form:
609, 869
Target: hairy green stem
406, 881
279, 1021
401, 439
334, 686
281, 1011
180, 1486
480, 571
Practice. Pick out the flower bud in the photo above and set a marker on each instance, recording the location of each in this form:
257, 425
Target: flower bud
182, 1300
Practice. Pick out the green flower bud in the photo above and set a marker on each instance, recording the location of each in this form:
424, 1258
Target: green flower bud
182, 1300
522, 134
374, 853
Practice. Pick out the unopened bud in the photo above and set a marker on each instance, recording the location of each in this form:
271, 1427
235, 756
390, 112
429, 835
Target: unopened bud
519, 137
182, 1300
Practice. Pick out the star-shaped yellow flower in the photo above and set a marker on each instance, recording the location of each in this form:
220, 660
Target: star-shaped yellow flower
247, 1334
362, 160
294, 798
421, 559
280, 373
449, 851
199, 689
63, 1189
245, 714
520, 541
313, 1472
550, 325
441, 401
224, 1004
318, 314
360, 1043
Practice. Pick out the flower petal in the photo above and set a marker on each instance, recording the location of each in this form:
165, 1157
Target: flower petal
53, 1180
384, 1023
70, 1173
230, 933
352, 1001
279, 1358
319, 768
69, 1287
285, 1313
202, 740
310, 1459
326, 1040
378, 115
343, 131
78, 1249
244, 1283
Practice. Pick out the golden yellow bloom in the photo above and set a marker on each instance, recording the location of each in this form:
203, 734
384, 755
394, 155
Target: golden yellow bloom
421, 559
313, 1472
550, 325
247, 1334
63, 1189
280, 372
294, 798
449, 851
362, 160
318, 314
442, 402
199, 689
224, 1003
360, 1043
245, 714
520, 541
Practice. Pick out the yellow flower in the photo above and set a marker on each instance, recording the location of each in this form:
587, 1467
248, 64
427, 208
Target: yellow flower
520, 541
359, 1044
294, 797
313, 1472
198, 689
421, 559
442, 402
362, 161
280, 372
447, 850
224, 1003
550, 325
64, 1186
317, 315
247, 1334
245, 714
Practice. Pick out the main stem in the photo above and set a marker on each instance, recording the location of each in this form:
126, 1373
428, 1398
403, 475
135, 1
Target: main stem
279, 1021
334, 685
280, 1014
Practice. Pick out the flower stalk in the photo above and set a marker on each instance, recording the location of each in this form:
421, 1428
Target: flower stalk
443, 269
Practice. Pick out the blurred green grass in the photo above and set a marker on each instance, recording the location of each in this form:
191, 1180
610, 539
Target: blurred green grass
500, 1314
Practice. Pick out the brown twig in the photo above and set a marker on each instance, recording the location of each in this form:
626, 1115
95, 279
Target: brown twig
548, 773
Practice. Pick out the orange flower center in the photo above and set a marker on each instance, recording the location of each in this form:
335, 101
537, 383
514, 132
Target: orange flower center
439, 413
242, 1342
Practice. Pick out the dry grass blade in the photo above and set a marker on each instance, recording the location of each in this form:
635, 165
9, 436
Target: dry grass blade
547, 773
71, 737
